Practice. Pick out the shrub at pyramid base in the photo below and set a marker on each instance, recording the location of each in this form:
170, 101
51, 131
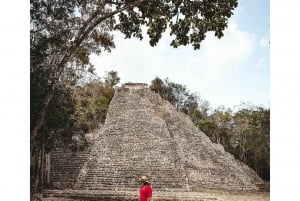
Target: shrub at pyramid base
145, 135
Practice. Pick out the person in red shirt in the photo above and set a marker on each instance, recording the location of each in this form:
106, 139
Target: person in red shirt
145, 189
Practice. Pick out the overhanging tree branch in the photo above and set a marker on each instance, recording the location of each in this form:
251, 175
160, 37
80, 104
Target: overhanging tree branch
58, 67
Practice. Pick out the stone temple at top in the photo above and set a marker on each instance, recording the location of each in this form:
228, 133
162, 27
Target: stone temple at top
145, 135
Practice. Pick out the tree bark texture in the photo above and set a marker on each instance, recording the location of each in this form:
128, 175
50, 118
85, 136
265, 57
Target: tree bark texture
47, 168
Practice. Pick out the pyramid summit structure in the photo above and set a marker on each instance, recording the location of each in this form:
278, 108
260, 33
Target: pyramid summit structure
145, 135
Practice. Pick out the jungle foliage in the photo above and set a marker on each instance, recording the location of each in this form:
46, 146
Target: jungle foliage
244, 133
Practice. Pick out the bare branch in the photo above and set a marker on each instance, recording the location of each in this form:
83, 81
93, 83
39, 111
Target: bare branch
91, 26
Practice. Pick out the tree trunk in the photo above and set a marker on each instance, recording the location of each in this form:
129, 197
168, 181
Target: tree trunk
40, 120
42, 165
35, 152
38, 172
47, 168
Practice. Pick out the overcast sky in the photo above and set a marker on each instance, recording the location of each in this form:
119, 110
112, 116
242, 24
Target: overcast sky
224, 71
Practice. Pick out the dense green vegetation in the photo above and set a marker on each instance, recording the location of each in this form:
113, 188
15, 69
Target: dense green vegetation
244, 133
75, 110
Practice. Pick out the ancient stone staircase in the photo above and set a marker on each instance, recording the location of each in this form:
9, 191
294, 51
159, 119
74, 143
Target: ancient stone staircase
65, 166
122, 156
145, 135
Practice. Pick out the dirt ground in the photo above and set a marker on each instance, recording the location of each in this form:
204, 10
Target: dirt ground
167, 196
226, 196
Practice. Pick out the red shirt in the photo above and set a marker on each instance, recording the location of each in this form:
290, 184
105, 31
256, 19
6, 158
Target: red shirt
145, 192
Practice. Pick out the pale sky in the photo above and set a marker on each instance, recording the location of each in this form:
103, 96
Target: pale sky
224, 71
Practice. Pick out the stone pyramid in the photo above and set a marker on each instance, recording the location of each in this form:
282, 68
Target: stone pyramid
145, 135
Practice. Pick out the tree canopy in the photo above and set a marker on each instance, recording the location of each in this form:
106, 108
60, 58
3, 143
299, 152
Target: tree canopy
64, 33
